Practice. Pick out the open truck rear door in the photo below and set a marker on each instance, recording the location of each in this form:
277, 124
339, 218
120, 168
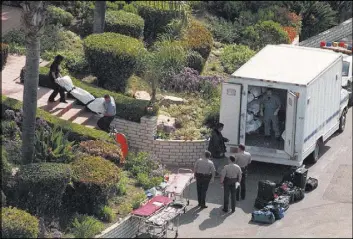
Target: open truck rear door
291, 116
230, 111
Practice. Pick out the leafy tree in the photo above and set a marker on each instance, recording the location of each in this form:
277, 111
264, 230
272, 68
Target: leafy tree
264, 33
33, 16
344, 9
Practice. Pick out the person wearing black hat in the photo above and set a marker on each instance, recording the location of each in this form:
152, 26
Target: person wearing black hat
217, 146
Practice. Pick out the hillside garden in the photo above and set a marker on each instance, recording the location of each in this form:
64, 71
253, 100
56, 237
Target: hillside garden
174, 55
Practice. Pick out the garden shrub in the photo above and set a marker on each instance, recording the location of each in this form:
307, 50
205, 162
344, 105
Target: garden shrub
189, 81
125, 23
6, 168
41, 186
4, 54
103, 149
137, 199
264, 33
142, 163
156, 18
14, 150
222, 30
212, 118
112, 58
130, 8
3, 199
86, 227
53, 146
94, 183
125, 208
10, 130
198, 38
115, 5
146, 182
126, 107
195, 61
57, 15
15, 39
234, 56
76, 132
16, 223
121, 185
106, 214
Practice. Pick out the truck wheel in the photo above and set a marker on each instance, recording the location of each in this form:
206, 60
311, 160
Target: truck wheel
342, 121
314, 157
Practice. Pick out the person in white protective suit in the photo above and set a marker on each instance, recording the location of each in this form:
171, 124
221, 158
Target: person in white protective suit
270, 105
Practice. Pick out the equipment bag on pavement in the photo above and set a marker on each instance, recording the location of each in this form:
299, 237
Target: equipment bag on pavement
311, 184
299, 194
277, 211
260, 203
300, 176
266, 189
263, 216
281, 201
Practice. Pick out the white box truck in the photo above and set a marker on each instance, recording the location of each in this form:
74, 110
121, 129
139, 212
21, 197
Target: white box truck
308, 82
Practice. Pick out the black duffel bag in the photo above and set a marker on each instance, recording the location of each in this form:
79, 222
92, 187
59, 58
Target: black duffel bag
311, 184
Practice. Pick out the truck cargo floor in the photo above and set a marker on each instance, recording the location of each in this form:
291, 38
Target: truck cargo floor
258, 140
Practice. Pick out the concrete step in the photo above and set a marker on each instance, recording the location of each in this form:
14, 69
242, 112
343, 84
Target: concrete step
73, 112
83, 117
57, 108
91, 122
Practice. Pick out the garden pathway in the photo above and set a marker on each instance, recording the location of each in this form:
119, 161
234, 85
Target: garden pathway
11, 87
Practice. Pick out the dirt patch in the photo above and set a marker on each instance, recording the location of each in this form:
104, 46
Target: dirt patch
340, 187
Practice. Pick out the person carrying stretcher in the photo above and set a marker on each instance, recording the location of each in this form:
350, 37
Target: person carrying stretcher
110, 112
54, 73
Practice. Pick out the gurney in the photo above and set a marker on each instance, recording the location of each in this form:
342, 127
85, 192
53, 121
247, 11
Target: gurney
154, 218
177, 184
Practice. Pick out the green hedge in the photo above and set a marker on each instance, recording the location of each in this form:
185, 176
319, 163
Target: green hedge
234, 56
16, 223
77, 132
41, 186
156, 17
57, 15
198, 38
4, 54
195, 61
126, 107
113, 58
116, 5
6, 168
125, 23
94, 180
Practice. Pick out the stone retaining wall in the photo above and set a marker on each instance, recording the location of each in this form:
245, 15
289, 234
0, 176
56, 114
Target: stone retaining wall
140, 136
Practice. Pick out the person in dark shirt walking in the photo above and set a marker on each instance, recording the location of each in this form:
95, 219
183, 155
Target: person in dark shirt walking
217, 147
54, 74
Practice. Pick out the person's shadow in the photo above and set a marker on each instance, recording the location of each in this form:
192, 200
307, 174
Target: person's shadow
217, 216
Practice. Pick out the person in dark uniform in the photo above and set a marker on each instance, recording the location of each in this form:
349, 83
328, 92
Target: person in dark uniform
53, 74
243, 159
204, 173
231, 174
217, 147
109, 115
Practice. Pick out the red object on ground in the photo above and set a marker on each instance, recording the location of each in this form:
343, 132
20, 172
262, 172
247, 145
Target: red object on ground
322, 43
341, 44
152, 206
121, 139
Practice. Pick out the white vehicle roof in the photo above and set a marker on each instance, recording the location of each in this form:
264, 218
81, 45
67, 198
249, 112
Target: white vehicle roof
287, 64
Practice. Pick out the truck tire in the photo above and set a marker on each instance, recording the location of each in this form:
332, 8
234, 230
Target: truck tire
343, 118
315, 155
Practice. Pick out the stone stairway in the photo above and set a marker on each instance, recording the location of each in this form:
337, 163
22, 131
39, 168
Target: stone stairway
72, 111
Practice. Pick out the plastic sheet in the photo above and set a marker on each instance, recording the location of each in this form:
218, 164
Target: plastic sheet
97, 105
249, 117
283, 135
82, 95
250, 97
253, 125
256, 91
65, 82
254, 107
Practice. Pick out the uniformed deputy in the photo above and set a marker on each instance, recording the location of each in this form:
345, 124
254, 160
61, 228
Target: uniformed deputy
270, 105
231, 174
204, 171
242, 159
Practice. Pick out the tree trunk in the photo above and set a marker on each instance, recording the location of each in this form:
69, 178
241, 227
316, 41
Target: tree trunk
33, 19
154, 90
99, 16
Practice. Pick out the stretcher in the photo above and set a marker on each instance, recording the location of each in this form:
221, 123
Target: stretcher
177, 184
155, 216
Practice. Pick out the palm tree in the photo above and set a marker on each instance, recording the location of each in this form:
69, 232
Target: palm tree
33, 18
99, 16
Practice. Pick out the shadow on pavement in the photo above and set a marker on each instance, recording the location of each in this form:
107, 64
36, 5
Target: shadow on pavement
217, 217
190, 215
